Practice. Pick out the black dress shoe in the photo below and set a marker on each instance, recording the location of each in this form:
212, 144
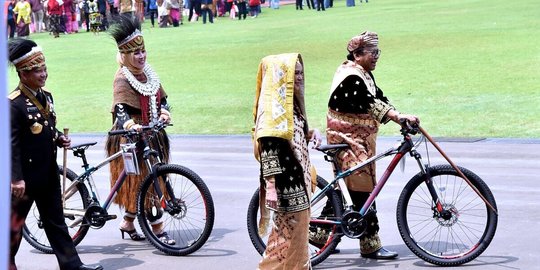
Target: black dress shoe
88, 267
381, 254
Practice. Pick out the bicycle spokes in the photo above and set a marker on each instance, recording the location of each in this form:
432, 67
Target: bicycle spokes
454, 229
184, 209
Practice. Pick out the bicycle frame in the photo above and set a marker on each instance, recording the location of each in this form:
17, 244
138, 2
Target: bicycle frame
86, 176
406, 146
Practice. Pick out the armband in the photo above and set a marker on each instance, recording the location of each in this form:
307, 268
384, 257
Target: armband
128, 124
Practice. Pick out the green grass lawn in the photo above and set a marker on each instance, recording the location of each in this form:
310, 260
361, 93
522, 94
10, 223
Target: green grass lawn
465, 67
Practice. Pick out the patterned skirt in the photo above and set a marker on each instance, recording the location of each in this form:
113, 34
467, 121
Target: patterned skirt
360, 132
55, 23
287, 247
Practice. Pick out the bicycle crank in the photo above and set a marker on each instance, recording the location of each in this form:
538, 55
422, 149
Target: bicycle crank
96, 216
353, 224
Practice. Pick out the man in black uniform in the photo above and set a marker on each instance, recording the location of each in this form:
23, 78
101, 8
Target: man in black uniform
34, 171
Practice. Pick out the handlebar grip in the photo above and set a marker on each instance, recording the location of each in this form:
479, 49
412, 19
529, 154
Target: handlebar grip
144, 128
117, 132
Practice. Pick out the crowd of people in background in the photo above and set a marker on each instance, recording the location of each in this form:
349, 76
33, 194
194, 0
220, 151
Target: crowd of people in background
57, 16
24, 17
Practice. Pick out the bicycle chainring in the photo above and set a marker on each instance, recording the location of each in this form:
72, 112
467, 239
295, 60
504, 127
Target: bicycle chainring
353, 224
96, 216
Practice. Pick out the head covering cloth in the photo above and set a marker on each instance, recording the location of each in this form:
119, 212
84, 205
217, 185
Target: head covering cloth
275, 97
363, 40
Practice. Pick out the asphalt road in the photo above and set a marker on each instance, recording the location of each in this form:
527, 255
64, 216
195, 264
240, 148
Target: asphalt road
510, 167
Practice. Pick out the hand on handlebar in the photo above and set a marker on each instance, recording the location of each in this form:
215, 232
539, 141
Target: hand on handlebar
315, 138
408, 118
136, 127
165, 118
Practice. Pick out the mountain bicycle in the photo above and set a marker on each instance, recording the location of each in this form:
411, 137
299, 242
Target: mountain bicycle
170, 192
446, 214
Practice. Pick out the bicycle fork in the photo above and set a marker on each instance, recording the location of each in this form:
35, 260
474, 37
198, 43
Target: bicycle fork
168, 206
437, 205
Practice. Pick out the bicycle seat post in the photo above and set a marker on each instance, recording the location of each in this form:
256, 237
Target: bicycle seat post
80, 152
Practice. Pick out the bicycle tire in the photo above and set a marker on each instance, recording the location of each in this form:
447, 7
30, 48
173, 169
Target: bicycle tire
33, 231
193, 225
319, 250
472, 225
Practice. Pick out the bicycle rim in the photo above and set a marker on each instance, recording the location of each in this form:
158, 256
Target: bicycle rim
190, 223
33, 231
452, 240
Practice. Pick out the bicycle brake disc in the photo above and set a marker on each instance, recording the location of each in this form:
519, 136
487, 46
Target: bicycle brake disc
353, 224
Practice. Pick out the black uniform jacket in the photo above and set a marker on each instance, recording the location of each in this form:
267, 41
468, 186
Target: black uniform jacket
33, 141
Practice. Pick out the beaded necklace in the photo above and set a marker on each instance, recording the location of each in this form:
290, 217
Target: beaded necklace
148, 89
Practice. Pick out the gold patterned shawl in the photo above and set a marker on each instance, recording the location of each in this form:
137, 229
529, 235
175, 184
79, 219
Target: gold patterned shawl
274, 97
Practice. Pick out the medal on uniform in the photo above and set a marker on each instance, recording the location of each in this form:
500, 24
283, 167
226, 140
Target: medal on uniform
46, 123
45, 111
36, 128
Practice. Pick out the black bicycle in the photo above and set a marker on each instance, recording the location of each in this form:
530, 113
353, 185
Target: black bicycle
446, 214
170, 192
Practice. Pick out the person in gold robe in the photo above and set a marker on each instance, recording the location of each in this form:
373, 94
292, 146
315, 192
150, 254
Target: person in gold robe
281, 135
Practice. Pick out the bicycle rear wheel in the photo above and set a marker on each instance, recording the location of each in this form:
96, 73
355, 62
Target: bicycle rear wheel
322, 237
33, 231
446, 240
190, 219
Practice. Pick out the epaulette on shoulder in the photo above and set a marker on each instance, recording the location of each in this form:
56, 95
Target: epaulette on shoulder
14, 94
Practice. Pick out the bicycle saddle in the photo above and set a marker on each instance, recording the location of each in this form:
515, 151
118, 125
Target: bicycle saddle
81, 146
331, 149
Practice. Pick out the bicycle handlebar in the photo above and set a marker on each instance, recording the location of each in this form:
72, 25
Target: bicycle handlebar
407, 128
158, 126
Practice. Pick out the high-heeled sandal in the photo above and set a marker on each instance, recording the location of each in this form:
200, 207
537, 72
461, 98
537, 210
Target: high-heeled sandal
165, 239
133, 234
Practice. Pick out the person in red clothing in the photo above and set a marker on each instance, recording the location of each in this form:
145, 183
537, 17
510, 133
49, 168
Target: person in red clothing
254, 6
55, 11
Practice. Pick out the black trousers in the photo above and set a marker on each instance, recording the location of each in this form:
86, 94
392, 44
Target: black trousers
48, 200
310, 4
320, 5
11, 27
359, 198
299, 4
153, 14
210, 15
242, 10
194, 5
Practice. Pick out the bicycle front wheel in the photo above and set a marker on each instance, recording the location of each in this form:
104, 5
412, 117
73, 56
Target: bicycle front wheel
457, 237
322, 237
77, 202
188, 218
